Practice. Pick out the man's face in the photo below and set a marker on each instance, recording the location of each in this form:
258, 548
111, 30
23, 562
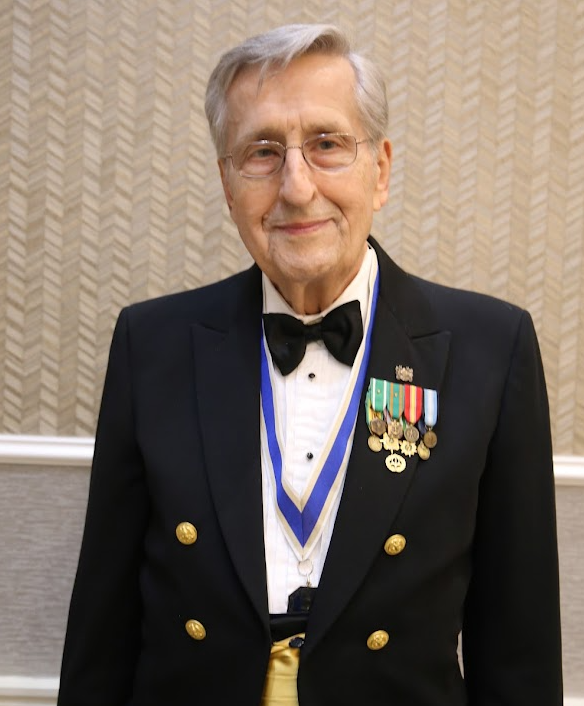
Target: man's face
306, 229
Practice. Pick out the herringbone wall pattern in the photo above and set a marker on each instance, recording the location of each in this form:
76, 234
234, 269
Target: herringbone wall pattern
109, 191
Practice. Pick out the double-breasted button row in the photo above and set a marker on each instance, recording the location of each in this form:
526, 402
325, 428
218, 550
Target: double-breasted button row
376, 641
394, 545
186, 533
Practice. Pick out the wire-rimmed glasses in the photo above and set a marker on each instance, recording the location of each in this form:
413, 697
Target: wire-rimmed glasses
329, 151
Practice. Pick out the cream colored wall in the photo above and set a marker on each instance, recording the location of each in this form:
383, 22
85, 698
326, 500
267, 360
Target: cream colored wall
109, 190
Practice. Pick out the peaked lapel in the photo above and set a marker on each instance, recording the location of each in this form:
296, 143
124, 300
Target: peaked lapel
404, 333
227, 372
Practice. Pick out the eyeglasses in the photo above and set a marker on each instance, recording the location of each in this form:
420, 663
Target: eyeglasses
329, 151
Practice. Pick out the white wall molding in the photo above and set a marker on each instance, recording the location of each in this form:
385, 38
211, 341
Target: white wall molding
28, 691
42, 691
78, 451
569, 470
46, 450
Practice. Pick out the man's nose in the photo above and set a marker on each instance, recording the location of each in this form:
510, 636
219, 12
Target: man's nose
296, 178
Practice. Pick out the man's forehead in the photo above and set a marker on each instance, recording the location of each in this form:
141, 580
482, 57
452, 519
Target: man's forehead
260, 75
316, 91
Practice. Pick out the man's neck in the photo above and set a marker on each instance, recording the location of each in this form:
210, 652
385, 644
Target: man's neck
307, 299
358, 287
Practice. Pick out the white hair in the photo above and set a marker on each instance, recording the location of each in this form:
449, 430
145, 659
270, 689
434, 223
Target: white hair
277, 48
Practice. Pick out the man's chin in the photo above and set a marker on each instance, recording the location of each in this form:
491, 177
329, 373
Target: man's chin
304, 270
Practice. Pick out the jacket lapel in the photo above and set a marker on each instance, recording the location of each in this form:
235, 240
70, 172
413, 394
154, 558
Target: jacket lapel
227, 370
404, 334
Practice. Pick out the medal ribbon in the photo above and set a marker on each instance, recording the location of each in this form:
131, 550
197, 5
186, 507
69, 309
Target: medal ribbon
430, 408
301, 516
396, 401
368, 407
379, 393
413, 403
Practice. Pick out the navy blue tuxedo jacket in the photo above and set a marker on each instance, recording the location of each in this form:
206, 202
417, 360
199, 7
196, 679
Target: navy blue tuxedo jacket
178, 440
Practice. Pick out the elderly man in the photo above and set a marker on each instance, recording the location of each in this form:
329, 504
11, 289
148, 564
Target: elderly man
310, 478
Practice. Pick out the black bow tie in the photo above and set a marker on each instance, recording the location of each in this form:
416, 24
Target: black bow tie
341, 331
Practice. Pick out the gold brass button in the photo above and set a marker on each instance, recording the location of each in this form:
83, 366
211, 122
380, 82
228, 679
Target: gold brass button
377, 640
196, 630
395, 544
186, 533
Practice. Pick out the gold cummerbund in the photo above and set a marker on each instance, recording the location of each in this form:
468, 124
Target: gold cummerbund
280, 688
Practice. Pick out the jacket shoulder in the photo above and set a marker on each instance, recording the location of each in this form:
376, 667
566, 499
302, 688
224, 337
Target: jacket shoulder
214, 302
460, 309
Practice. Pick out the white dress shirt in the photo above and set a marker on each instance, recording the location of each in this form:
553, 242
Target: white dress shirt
306, 401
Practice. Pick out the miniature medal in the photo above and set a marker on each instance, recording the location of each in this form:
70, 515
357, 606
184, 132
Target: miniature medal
375, 402
430, 439
377, 425
407, 447
395, 429
430, 417
411, 434
423, 451
384, 406
395, 408
390, 443
412, 411
395, 463
374, 443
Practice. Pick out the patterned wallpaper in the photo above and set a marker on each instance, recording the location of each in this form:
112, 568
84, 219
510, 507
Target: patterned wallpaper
109, 190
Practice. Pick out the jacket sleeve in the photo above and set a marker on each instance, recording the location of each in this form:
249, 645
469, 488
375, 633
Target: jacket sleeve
103, 633
511, 631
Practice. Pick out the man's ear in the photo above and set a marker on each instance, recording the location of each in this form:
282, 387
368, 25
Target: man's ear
383, 172
225, 182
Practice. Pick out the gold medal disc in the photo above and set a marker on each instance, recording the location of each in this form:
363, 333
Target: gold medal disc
423, 451
430, 439
378, 426
374, 443
411, 434
395, 429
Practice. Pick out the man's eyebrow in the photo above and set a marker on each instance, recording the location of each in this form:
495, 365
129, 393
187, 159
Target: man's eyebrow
258, 134
322, 129
277, 135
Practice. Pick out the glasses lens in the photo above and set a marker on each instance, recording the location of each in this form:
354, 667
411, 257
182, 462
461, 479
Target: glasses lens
330, 151
259, 159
